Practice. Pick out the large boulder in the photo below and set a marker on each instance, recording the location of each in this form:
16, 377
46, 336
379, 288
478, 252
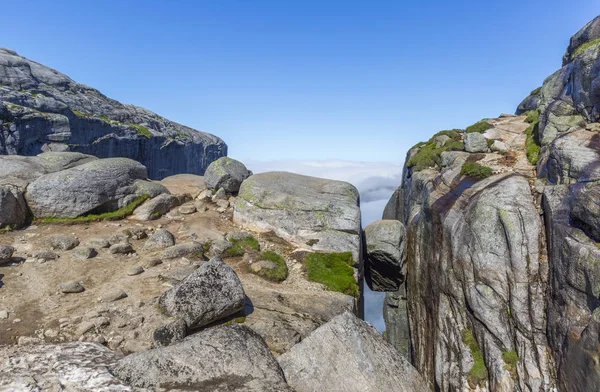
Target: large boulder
210, 293
75, 366
44, 110
232, 358
97, 186
346, 354
307, 211
385, 255
226, 173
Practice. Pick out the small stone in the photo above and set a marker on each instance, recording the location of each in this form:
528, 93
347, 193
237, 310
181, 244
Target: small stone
135, 270
187, 209
101, 322
6, 252
152, 263
263, 264
101, 243
137, 233
63, 241
113, 296
219, 195
118, 239
46, 256
122, 248
136, 322
85, 253
159, 240
71, 287
221, 210
3, 315
204, 195
16, 321
222, 203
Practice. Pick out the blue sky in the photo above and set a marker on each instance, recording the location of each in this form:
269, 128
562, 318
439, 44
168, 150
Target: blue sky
351, 80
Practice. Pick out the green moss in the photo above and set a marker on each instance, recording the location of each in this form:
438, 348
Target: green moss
241, 246
334, 270
429, 155
475, 170
583, 47
7, 228
480, 126
478, 373
79, 113
278, 274
114, 215
537, 91
141, 130
532, 142
510, 358
237, 320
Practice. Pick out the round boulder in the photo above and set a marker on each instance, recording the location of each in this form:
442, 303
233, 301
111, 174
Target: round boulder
226, 173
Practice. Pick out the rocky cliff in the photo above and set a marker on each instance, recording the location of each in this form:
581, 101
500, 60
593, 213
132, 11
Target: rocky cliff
43, 110
500, 278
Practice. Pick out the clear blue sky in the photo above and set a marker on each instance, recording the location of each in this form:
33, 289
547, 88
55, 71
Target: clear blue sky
306, 79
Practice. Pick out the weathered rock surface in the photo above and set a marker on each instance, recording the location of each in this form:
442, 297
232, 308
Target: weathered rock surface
75, 366
210, 293
347, 354
97, 186
220, 359
475, 142
384, 267
226, 173
44, 110
302, 210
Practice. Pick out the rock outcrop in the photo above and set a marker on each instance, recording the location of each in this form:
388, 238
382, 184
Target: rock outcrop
346, 354
385, 255
43, 110
310, 212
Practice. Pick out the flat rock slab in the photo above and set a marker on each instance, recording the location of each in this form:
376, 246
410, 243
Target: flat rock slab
303, 210
229, 358
348, 355
75, 366
210, 293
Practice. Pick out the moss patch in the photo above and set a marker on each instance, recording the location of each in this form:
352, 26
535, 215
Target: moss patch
429, 155
510, 358
113, 215
537, 91
334, 270
532, 143
478, 372
278, 274
475, 170
583, 47
480, 126
142, 131
241, 246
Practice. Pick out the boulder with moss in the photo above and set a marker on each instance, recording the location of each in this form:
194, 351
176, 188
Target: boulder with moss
226, 173
43, 110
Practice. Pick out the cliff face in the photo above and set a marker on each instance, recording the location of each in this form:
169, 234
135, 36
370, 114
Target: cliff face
43, 110
502, 264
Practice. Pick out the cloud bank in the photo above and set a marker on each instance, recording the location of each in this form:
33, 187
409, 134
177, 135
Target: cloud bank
375, 181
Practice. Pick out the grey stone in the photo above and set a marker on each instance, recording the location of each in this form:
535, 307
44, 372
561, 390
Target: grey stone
6, 252
121, 248
441, 140
114, 295
62, 241
475, 142
3, 315
47, 256
161, 239
347, 354
225, 173
99, 243
85, 253
222, 203
217, 247
71, 287
187, 210
155, 208
385, 255
74, 366
301, 208
210, 293
136, 233
263, 264
499, 146
47, 111
221, 194
181, 250
135, 270
170, 333
224, 359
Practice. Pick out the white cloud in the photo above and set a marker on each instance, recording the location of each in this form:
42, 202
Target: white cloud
375, 181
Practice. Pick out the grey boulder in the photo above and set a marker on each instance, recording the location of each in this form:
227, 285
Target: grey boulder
232, 358
210, 293
385, 255
6, 252
97, 186
348, 355
225, 173
302, 210
155, 208
62, 241
475, 142
159, 240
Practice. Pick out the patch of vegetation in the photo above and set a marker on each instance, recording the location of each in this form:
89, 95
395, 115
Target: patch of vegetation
278, 274
241, 246
510, 358
141, 130
583, 47
334, 270
480, 126
7, 228
475, 170
107, 216
429, 154
537, 91
478, 372
79, 113
532, 143
237, 320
